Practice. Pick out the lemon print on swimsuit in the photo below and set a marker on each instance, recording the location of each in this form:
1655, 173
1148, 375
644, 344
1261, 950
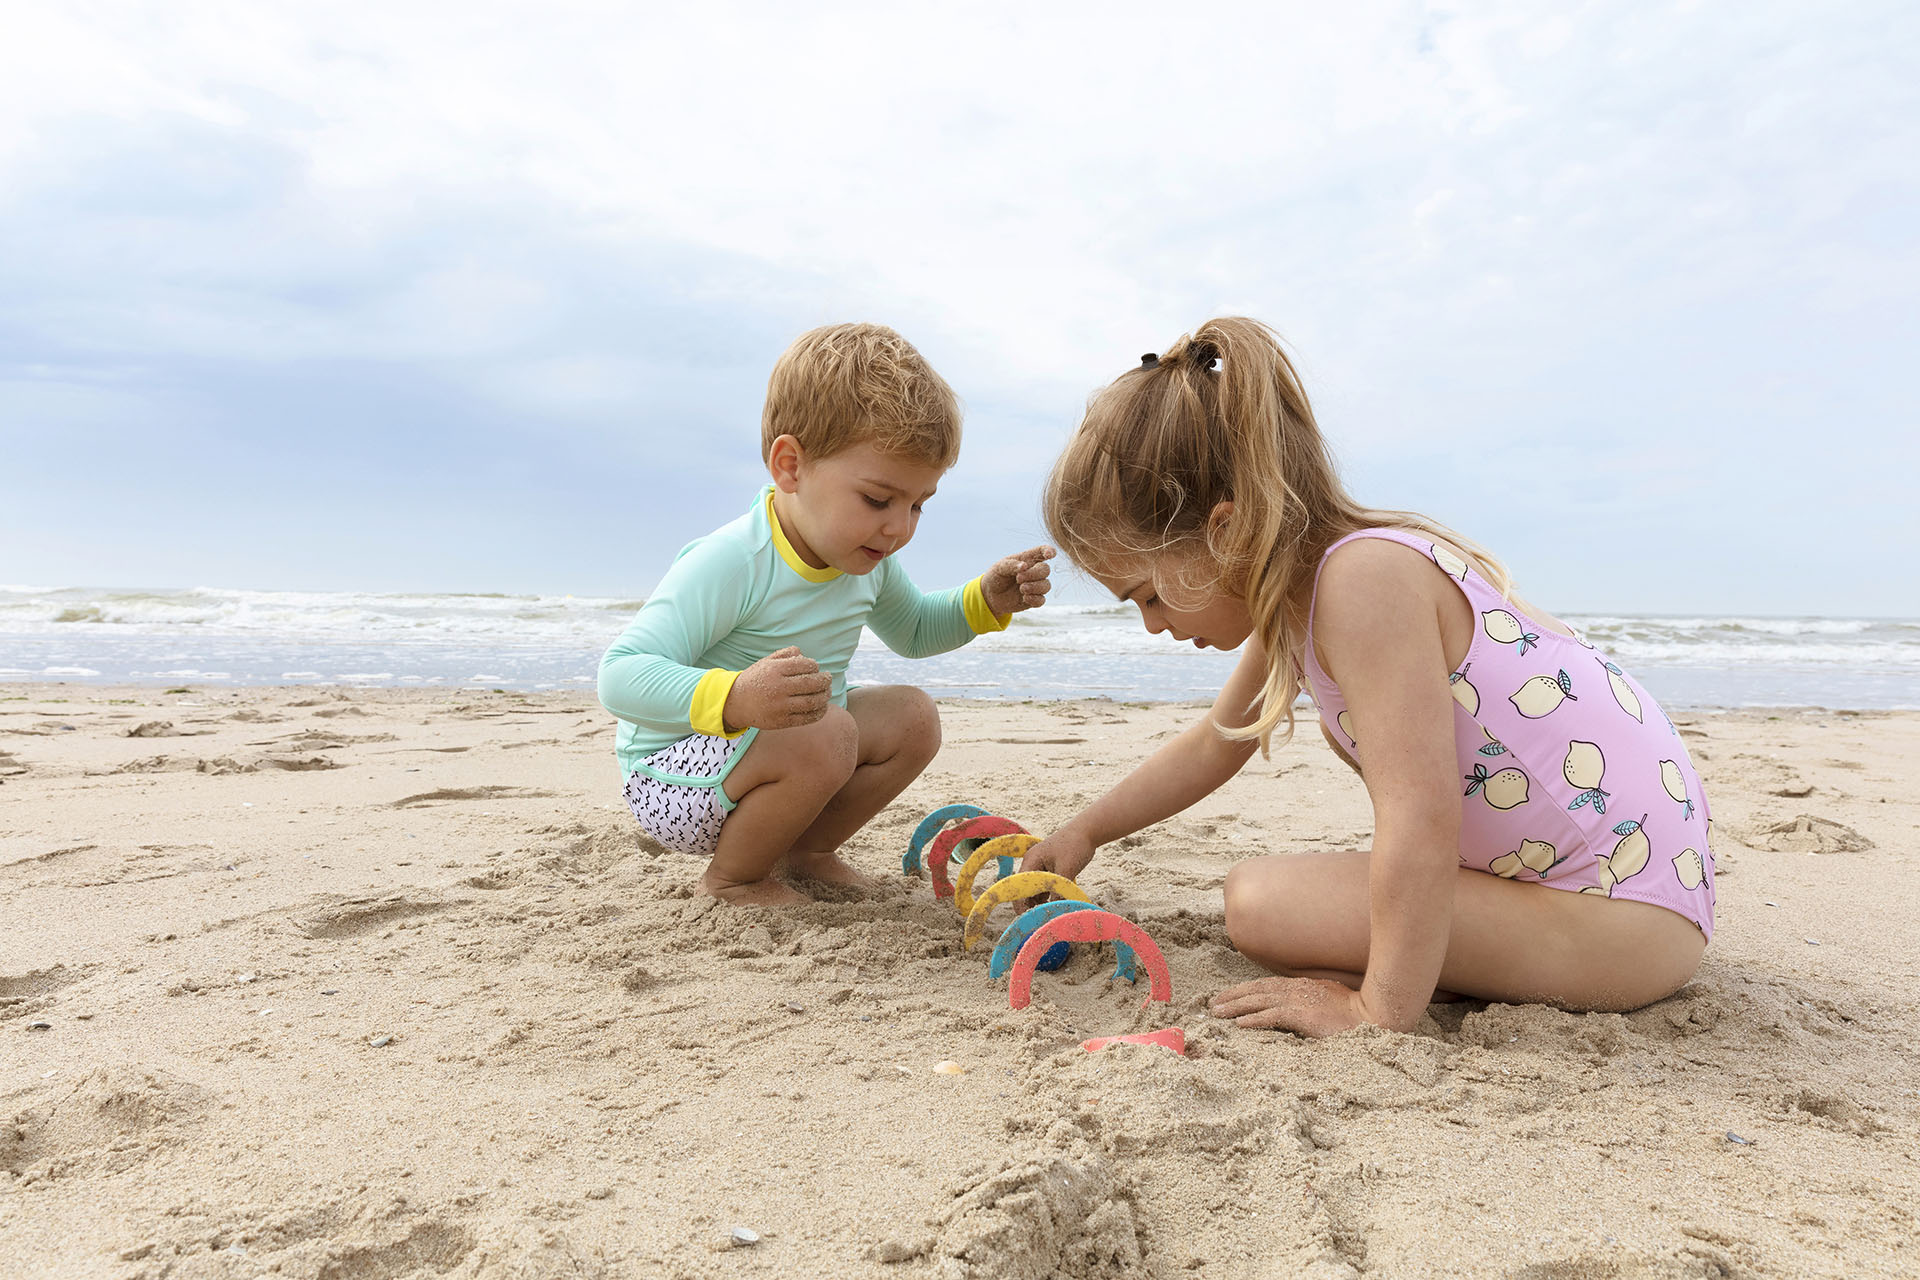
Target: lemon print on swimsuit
1584, 768
1449, 563
1630, 855
1345, 721
1690, 868
1494, 746
1538, 857
1506, 629
1506, 789
1676, 786
1622, 691
1542, 695
1463, 691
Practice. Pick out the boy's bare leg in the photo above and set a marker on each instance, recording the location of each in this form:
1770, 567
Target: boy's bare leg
780, 785
899, 734
1307, 915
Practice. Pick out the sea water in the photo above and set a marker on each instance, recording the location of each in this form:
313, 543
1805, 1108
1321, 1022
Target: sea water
214, 636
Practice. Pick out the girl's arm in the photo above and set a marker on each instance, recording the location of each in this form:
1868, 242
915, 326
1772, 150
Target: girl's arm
1195, 764
1377, 630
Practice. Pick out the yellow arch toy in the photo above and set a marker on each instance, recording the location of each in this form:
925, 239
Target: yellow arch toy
998, 847
1022, 884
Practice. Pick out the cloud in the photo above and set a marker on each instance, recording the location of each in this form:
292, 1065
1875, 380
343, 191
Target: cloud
1590, 284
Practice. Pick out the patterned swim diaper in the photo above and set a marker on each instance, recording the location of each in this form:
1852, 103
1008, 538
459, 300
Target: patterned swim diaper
676, 794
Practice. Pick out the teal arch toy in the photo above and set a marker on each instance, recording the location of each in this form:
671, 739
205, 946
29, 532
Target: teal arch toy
930, 827
1027, 922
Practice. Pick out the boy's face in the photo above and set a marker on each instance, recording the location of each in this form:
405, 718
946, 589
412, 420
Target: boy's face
852, 510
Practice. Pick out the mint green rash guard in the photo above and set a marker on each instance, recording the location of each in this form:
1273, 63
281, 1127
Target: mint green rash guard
742, 593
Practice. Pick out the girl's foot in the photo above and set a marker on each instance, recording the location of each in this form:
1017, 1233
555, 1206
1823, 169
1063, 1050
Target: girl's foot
827, 868
752, 893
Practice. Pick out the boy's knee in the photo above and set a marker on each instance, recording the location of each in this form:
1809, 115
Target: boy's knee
922, 723
836, 751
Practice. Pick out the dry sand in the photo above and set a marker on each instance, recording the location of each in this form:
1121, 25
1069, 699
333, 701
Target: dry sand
348, 985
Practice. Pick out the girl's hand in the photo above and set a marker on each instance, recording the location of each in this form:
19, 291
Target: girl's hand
1311, 1006
1064, 853
783, 690
1018, 582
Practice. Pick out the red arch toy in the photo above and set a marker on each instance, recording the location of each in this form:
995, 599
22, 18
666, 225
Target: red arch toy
972, 829
1088, 926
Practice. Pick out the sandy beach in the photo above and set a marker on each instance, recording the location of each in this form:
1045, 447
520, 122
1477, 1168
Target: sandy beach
348, 984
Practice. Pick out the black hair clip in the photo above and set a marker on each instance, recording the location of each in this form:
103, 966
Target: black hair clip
1149, 361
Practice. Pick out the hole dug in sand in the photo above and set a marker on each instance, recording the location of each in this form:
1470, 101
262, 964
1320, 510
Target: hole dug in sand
1804, 833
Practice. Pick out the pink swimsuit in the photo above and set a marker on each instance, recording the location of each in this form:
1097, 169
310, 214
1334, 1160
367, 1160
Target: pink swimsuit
1570, 774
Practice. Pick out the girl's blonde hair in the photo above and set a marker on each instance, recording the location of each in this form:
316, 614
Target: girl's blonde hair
1220, 417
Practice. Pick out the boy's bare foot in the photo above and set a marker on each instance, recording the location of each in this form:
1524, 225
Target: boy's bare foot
752, 893
827, 868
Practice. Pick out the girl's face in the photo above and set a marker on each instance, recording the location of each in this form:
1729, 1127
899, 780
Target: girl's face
1207, 619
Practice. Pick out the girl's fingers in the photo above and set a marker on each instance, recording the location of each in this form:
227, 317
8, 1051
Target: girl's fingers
1240, 1007
1244, 989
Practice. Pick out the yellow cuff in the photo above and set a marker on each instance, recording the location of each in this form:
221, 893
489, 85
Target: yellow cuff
710, 701
981, 618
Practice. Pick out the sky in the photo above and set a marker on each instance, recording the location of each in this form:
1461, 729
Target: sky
484, 297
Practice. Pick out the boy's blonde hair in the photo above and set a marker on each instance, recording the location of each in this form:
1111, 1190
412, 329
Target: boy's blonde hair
848, 384
1163, 444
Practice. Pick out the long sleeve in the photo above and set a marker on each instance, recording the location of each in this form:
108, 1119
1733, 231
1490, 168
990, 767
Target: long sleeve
649, 676
918, 625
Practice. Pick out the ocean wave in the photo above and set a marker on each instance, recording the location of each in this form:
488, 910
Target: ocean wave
375, 637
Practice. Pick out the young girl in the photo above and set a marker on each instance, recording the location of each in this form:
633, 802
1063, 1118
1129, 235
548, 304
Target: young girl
1539, 833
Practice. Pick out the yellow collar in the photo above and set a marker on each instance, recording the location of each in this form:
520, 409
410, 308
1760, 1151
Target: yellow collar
787, 553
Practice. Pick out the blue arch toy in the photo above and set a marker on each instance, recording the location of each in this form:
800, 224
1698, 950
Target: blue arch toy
1032, 918
930, 827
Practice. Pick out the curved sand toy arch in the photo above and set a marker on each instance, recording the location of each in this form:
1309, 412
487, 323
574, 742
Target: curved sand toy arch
972, 830
1024, 884
1005, 848
1087, 926
930, 827
1015, 938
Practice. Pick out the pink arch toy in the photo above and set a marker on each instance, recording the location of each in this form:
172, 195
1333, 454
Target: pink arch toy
1088, 926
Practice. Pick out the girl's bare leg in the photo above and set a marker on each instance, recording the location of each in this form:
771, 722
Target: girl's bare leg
1306, 915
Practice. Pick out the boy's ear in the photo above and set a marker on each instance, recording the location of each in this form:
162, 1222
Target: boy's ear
784, 457
1220, 514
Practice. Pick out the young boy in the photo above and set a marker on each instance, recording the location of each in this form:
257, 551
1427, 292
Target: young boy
739, 738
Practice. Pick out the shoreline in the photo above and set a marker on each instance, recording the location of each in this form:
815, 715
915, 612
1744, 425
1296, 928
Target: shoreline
139, 690
221, 900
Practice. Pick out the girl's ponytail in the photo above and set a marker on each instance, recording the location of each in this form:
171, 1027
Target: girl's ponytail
1220, 416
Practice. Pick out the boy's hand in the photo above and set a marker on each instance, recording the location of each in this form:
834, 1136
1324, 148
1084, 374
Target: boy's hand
783, 690
1019, 582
